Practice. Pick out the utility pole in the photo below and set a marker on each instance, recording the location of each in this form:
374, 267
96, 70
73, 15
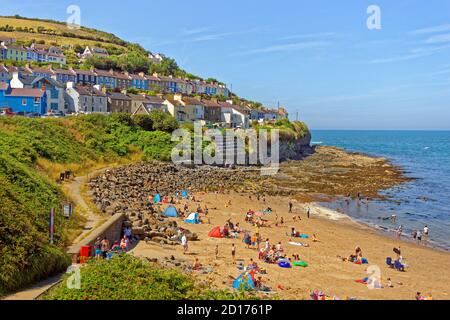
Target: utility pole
296, 116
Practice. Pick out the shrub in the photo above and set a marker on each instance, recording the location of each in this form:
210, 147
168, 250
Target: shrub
143, 121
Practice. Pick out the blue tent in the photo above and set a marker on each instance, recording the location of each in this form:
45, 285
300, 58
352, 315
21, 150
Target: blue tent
157, 198
244, 282
184, 194
171, 211
193, 218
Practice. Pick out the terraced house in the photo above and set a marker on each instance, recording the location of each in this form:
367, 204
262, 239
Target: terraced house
138, 81
105, 78
23, 100
118, 102
85, 77
85, 99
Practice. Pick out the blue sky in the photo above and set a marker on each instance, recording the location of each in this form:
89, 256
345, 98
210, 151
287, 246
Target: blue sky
315, 57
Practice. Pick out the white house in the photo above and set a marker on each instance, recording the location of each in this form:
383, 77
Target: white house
84, 99
94, 51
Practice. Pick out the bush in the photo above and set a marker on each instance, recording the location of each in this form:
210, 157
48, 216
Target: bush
125, 277
143, 121
163, 121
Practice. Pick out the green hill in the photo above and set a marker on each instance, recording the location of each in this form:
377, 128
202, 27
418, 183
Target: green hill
32, 152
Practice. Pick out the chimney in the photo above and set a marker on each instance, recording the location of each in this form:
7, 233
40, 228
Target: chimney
141, 74
97, 86
111, 71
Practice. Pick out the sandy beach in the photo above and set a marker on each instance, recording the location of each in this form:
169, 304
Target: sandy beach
338, 236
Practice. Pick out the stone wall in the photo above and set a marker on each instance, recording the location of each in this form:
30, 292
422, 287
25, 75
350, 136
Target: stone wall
111, 229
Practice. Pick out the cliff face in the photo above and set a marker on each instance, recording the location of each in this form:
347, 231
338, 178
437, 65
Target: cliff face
295, 149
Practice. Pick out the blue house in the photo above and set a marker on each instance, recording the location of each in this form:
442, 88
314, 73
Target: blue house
106, 78
65, 76
86, 77
23, 100
139, 81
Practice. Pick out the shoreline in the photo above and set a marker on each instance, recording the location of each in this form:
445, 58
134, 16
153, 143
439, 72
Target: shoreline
338, 236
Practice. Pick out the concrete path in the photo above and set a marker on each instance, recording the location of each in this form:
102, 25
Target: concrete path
93, 220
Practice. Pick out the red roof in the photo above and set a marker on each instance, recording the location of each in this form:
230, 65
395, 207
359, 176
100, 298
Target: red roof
36, 93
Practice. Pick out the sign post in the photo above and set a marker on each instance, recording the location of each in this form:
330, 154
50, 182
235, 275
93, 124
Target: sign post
52, 224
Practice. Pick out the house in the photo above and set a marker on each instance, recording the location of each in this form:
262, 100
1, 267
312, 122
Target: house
3, 50
7, 41
138, 81
213, 111
85, 77
270, 115
40, 72
235, 116
152, 104
168, 84
22, 99
154, 83
86, 99
106, 78
94, 51
137, 100
4, 74
282, 113
176, 109
123, 81
16, 53
64, 76
194, 108
54, 89
118, 102
156, 58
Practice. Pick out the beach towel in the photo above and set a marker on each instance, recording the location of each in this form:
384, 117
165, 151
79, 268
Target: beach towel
302, 264
298, 244
157, 198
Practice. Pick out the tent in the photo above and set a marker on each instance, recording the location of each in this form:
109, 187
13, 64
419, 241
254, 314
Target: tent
215, 233
244, 282
157, 198
171, 211
193, 218
184, 194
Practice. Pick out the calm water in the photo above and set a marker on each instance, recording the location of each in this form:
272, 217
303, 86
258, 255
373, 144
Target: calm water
423, 155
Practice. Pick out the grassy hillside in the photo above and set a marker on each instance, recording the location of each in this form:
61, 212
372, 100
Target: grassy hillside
32, 153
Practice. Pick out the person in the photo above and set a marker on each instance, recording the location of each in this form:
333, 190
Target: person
419, 236
419, 296
247, 240
104, 247
399, 231
290, 206
358, 252
314, 238
217, 251
281, 221
308, 212
206, 210
414, 234
127, 233
184, 243
279, 247
252, 265
115, 246
233, 253
425, 232
124, 244
196, 265
267, 246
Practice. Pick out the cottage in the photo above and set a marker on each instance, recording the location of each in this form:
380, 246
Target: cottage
106, 78
213, 111
123, 81
118, 102
94, 51
86, 99
54, 89
4, 74
176, 109
23, 100
154, 83
194, 108
85, 77
138, 81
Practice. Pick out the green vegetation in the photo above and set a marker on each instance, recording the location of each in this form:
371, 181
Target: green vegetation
128, 278
28, 192
289, 130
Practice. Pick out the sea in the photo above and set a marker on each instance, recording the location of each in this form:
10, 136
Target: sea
424, 156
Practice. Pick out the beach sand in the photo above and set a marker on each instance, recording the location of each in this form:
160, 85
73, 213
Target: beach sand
428, 270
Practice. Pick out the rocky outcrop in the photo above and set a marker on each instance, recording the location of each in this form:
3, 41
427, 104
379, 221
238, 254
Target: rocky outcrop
129, 190
295, 149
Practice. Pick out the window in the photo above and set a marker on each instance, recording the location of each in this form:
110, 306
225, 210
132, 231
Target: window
24, 102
